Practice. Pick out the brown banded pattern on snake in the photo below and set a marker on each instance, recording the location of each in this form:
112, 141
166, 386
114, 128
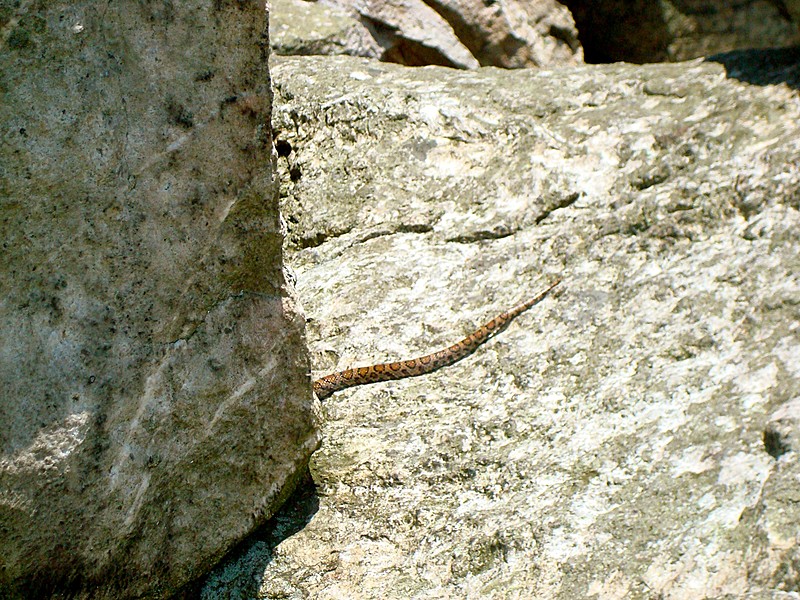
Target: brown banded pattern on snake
423, 365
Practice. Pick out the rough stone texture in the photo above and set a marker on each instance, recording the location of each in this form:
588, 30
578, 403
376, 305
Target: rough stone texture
454, 33
643, 31
155, 402
635, 435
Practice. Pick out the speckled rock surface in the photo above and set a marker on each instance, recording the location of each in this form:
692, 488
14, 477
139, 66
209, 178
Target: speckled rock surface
634, 436
155, 405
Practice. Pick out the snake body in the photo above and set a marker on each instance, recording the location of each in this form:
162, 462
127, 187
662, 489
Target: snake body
423, 365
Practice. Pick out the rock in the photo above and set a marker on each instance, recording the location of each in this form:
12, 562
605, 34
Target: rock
793, 8
413, 34
454, 33
644, 31
542, 34
514, 34
156, 405
611, 442
790, 9
298, 27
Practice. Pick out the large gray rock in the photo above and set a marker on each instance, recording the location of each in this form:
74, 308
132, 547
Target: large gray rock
155, 404
636, 435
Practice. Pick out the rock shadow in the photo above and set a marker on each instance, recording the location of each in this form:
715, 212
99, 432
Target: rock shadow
239, 574
769, 66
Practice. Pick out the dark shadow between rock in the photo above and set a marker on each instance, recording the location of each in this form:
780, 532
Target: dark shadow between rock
240, 572
762, 67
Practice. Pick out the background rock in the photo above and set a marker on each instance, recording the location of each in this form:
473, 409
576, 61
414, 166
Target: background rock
453, 33
642, 31
617, 441
464, 34
298, 27
155, 398
789, 9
